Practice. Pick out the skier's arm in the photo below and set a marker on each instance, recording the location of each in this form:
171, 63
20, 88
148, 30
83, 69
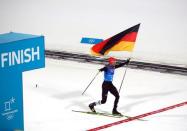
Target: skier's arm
122, 64
102, 69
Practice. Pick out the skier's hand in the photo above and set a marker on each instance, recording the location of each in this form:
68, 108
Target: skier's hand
128, 60
102, 69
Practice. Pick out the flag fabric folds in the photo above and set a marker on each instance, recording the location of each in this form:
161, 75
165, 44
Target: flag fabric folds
123, 41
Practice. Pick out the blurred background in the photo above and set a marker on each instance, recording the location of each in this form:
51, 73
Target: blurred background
161, 37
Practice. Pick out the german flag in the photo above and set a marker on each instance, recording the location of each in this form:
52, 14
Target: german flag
123, 41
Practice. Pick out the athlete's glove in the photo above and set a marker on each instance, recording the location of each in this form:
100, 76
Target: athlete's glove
128, 60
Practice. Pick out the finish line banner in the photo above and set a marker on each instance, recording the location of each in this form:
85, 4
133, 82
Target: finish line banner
18, 53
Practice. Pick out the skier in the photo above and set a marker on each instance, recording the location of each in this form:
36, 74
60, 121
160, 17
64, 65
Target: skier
107, 85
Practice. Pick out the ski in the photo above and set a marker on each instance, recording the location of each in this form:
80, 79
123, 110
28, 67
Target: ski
98, 113
105, 114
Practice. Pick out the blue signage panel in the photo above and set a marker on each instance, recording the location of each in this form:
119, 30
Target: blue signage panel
26, 54
18, 53
11, 101
86, 40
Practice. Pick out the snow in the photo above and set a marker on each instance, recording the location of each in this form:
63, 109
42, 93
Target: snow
60, 85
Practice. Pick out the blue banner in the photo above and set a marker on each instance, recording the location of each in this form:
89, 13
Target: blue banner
86, 40
18, 53
11, 101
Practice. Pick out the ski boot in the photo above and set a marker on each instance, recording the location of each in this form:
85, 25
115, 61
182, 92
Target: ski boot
115, 112
91, 106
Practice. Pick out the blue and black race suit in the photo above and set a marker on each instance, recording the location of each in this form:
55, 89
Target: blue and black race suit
107, 85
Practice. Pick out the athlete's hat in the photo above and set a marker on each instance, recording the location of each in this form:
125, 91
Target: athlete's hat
111, 60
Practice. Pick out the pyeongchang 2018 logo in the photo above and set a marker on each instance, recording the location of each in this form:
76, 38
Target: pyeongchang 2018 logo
9, 112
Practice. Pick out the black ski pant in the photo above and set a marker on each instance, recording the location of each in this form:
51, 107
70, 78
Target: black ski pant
107, 86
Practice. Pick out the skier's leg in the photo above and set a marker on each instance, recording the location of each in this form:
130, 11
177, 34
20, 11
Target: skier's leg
104, 97
104, 92
114, 92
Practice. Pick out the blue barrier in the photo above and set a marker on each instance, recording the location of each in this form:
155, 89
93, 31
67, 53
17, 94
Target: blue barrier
18, 53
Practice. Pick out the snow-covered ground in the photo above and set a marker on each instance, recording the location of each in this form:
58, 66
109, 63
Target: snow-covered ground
48, 106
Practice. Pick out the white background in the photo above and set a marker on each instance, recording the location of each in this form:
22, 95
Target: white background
162, 35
